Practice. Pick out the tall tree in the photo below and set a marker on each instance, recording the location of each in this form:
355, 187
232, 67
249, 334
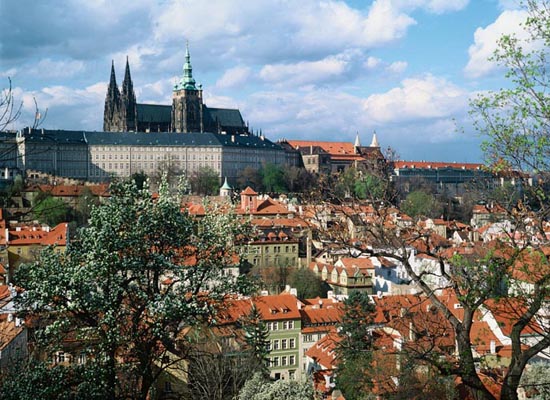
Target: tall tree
355, 347
140, 272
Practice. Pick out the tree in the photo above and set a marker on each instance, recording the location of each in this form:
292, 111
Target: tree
536, 381
307, 284
10, 109
354, 350
260, 388
51, 210
205, 181
421, 204
273, 178
250, 177
256, 337
140, 272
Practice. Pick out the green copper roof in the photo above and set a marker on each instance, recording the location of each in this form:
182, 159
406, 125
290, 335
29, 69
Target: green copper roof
226, 185
187, 82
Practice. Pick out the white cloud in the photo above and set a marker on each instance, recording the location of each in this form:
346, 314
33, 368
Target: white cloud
418, 98
304, 72
434, 6
372, 62
485, 41
232, 77
48, 68
397, 67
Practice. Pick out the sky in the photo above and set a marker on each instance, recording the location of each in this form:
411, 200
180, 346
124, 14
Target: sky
296, 69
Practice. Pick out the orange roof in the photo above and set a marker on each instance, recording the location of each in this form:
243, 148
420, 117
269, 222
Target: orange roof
4, 291
323, 352
272, 308
26, 235
249, 192
75, 190
333, 148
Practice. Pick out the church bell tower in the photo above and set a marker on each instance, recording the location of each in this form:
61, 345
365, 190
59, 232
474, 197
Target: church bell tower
187, 106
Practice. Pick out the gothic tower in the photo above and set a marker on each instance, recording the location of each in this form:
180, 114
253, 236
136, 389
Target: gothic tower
187, 106
112, 118
128, 102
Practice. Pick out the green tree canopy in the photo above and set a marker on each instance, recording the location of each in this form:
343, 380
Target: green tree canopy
421, 204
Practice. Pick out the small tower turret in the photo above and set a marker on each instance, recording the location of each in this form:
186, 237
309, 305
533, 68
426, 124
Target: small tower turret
187, 106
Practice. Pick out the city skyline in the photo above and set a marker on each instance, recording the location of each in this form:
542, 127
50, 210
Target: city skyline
297, 70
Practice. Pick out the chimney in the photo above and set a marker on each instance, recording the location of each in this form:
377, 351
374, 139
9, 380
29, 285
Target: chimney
493, 347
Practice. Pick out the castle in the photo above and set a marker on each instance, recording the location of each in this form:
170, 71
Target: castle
187, 114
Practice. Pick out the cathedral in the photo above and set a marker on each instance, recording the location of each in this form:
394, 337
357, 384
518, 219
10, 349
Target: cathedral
187, 114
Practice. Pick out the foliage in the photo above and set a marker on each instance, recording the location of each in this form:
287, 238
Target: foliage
421, 204
536, 381
355, 347
51, 210
273, 178
260, 388
256, 336
38, 380
140, 272
307, 284
204, 181
140, 179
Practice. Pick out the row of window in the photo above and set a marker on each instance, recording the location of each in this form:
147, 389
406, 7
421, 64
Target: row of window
274, 326
277, 249
158, 157
282, 361
281, 344
61, 357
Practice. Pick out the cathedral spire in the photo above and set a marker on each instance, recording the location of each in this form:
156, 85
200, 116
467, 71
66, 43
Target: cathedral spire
113, 88
357, 142
127, 85
187, 81
374, 142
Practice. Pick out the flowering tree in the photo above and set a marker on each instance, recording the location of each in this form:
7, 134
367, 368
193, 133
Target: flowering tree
140, 272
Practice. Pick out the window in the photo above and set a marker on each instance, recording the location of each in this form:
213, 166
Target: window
275, 345
290, 324
60, 357
292, 373
292, 343
291, 361
167, 387
283, 344
308, 338
275, 361
283, 361
285, 324
81, 360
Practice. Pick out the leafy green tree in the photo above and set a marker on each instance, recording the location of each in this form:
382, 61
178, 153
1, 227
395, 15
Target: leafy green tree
355, 348
273, 178
307, 284
261, 388
205, 181
140, 272
51, 210
421, 204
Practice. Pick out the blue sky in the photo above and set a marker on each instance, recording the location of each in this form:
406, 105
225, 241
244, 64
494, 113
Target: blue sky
310, 70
